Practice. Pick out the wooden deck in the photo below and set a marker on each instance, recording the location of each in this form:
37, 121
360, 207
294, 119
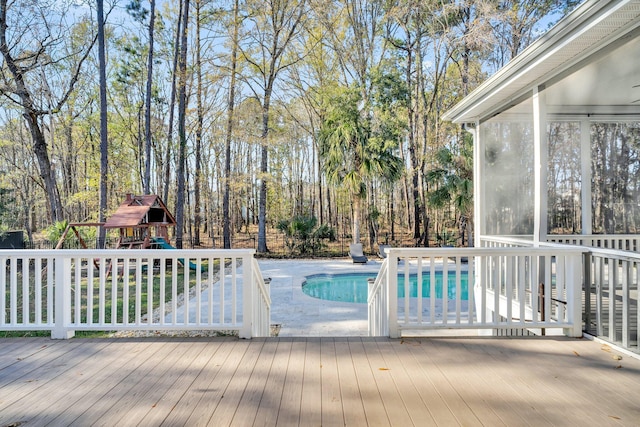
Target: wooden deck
316, 381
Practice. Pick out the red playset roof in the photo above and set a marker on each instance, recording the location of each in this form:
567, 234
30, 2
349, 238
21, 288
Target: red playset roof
141, 211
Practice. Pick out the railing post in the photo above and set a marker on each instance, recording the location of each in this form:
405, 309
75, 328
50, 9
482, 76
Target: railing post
247, 297
265, 326
586, 285
62, 305
574, 295
392, 295
372, 314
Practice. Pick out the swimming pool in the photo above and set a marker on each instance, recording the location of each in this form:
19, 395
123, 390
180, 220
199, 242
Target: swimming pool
352, 287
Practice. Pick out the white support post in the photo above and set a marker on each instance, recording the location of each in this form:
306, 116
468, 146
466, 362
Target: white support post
392, 296
247, 297
62, 308
478, 186
585, 176
573, 274
479, 212
541, 154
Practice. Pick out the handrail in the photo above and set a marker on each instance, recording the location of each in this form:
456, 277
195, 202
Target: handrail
378, 316
377, 284
264, 292
68, 290
499, 280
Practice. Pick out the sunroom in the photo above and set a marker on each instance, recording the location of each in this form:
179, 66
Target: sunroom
557, 155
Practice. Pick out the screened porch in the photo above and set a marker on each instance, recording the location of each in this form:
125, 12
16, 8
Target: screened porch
557, 156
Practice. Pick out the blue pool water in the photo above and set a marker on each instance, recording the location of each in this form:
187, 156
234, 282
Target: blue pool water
353, 287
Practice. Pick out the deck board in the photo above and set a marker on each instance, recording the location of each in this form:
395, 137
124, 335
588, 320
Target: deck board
311, 399
382, 371
44, 371
199, 390
171, 394
232, 397
353, 409
475, 391
47, 399
292, 391
430, 397
435, 363
158, 375
10, 354
256, 386
124, 381
332, 410
525, 378
606, 376
201, 415
369, 392
268, 407
317, 381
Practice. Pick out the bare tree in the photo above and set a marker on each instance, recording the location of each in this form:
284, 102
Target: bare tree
182, 131
275, 25
31, 37
104, 159
172, 101
147, 108
197, 214
516, 24
226, 221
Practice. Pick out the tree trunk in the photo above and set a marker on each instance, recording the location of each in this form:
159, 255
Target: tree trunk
226, 221
357, 203
172, 103
319, 170
147, 111
197, 210
46, 171
264, 169
182, 131
103, 124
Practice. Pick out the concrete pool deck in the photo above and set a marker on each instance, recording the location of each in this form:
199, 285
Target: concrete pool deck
303, 316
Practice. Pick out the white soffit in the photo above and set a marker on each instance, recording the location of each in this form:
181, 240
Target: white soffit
585, 31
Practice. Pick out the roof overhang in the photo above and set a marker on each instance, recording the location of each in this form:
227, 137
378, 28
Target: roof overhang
594, 27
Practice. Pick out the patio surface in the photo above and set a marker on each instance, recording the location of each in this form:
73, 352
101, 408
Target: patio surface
302, 315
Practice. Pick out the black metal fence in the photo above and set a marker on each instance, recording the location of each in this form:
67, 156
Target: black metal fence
278, 245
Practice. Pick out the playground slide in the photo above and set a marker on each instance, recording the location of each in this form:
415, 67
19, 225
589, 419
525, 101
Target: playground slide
163, 244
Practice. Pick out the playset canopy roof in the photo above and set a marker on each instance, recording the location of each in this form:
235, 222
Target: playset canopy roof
141, 211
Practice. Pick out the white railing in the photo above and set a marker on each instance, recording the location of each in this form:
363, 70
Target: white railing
611, 300
479, 288
611, 275
112, 290
260, 304
378, 305
505, 242
622, 242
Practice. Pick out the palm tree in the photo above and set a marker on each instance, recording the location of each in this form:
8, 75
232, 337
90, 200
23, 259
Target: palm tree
352, 153
453, 183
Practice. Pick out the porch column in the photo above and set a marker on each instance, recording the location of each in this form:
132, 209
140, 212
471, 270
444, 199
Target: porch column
478, 187
541, 164
585, 176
